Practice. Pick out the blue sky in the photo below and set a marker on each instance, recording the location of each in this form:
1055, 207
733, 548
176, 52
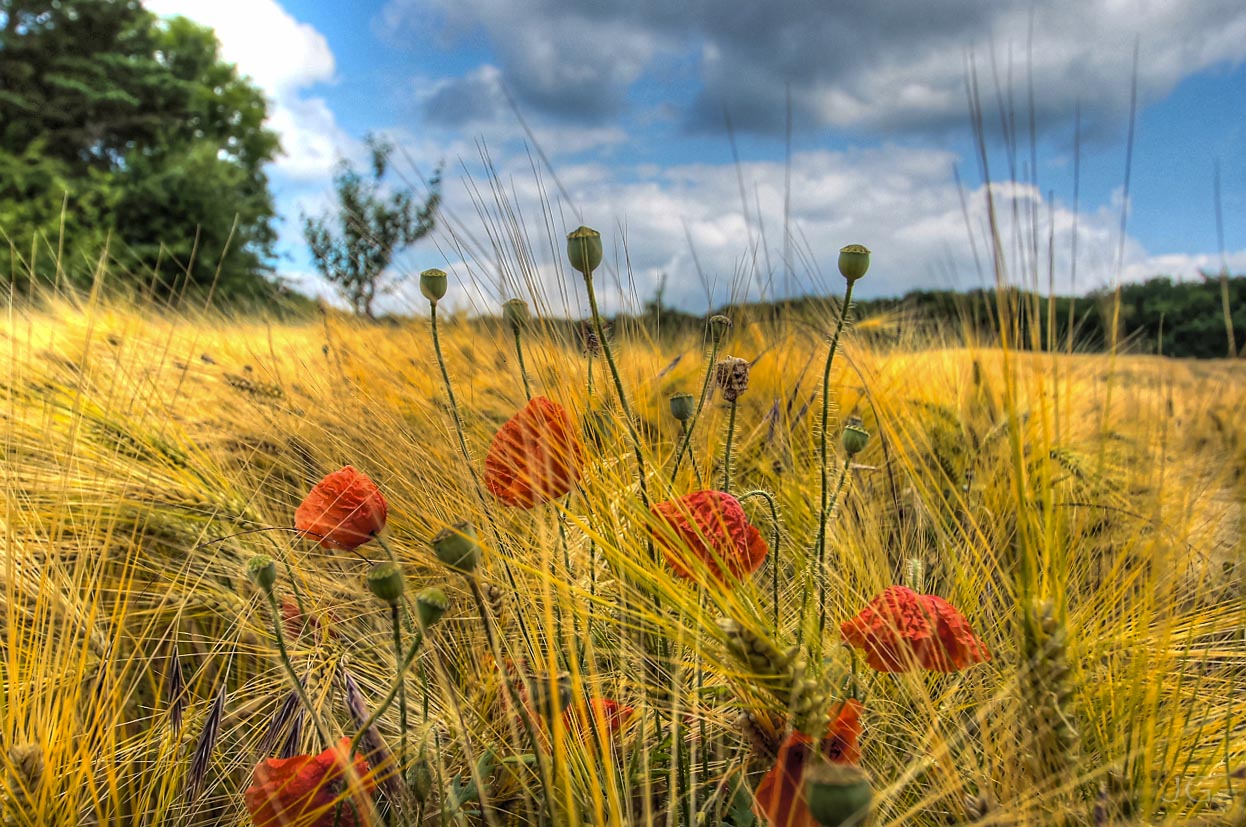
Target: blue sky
629, 102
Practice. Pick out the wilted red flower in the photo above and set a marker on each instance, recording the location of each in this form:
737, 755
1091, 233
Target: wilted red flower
712, 526
343, 511
599, 714
901, 627
781, 793
303, 791
535, 457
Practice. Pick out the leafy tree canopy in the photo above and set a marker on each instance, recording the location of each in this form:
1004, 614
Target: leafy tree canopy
131, 129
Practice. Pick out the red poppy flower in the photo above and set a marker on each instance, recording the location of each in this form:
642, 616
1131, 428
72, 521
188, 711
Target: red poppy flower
297, 624
304, 791
343, 511
711, 526
781, 794
535, 457
601, 714
900, 628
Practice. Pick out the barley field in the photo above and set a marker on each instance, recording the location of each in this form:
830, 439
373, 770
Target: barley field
1079, 516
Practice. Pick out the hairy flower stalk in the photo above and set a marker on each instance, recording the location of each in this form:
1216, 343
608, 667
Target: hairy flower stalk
515, 311
430, 282
776, 536
718, 326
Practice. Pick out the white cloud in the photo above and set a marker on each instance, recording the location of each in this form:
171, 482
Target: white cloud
285, 58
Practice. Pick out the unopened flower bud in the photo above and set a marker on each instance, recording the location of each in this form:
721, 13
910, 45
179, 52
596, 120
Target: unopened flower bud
838, 795
430, 604
584, 249
385, 581
516, 314
854, 260
457, 547
262, 572
731, 374
854, 438
683, 406
433, 284
420, 780
719, 325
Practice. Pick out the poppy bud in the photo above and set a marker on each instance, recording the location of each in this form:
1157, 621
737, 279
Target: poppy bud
838, 795
719, 325
854, 260
433, 284
731, 373
457, 547
262, 572
385, 581
854, 438
420, 780
430, 604
516, 314
682, 406
584, 249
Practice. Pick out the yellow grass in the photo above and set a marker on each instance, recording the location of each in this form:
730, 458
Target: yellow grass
135, 447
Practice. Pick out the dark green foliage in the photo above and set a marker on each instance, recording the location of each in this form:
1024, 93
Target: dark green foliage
130, 130
354, 247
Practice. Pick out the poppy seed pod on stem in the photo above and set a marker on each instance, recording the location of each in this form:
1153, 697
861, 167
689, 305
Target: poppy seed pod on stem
584, 250
855, 437
854, 261
457, 547
719, 326
262, 572
433, 284
683, 406
430, 604
515, 312
385, 582
838, 795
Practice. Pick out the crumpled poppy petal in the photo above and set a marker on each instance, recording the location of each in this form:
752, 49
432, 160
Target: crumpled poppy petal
303, 791
343, 511
710, 526
900, 629
535, 457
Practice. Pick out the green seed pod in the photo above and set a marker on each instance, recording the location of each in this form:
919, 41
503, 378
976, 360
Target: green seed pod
854, 261
719, 325
838, 795
683, 406
430, 604
385, 581
515, 311
262, 572
433, 284
550, 694
854, 438
584, 249
420, 780
457, 547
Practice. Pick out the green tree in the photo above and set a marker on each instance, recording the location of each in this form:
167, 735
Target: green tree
354, 247
136, 128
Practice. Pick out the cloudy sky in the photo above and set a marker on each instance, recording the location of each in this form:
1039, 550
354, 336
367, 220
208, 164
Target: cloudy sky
693, 133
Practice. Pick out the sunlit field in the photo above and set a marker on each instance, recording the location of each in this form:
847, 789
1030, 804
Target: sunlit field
1081, 515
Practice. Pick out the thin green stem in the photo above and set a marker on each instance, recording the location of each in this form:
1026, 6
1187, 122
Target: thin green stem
692, 457
705, 389
394, 690
325, 739
727, 453
454, 405
823, 451
843, 478
395, 616
776, 537
523, 370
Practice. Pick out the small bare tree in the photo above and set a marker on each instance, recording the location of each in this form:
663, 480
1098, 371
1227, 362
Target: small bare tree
355, 246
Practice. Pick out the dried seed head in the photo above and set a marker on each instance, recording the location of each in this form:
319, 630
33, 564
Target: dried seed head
590, 342
204, 746
385, 581
457, 547
374, 749
854, 261
26, 763
584, 250
433, 284
719, 325
430, 604
731, 374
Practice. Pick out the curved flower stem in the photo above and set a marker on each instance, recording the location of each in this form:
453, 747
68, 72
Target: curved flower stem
692, 457
522, 710
843, 478
705, 389
727, 453
776, 537
454, 405
394, 691
293, 675
523, 370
